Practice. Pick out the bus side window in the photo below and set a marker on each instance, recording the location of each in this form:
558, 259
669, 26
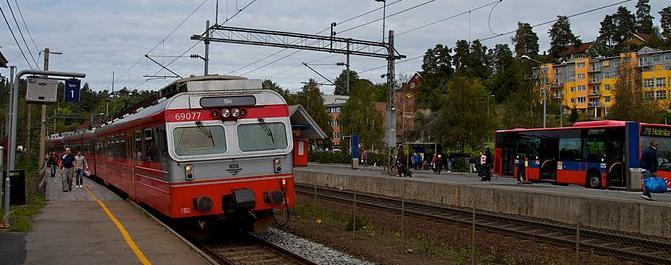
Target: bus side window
594, 145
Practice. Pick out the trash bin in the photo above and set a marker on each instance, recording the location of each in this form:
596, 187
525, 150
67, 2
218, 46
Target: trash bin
17, 195
634, 177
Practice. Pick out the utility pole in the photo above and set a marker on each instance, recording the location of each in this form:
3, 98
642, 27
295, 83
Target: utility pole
390, 130
207, 46
43, 119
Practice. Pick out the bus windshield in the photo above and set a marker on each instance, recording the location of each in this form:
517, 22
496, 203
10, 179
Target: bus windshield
262, 136
199, 140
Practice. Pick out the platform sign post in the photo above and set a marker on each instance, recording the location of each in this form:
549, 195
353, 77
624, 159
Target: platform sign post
71, 93
354, 146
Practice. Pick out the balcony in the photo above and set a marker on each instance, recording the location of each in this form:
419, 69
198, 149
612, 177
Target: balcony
594, 70
594, 81
593, 104
594, 94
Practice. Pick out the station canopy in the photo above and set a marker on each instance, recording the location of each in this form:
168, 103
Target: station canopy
300, 119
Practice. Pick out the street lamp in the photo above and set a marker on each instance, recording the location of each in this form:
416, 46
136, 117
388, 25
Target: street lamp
543, 83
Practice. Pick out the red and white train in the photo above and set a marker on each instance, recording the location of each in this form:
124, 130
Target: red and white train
210, 148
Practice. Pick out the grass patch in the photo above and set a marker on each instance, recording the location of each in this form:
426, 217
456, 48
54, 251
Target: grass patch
20, 216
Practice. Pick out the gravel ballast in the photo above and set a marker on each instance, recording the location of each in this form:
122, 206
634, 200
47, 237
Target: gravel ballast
315, 252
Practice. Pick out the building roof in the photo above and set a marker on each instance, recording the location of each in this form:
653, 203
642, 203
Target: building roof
302, 120
3, 61
573, 49
334, 99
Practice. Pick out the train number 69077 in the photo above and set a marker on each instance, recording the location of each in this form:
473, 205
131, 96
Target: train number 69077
187, 116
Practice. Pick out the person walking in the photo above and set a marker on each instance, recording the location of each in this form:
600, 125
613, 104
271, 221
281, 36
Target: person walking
649, 164
439, 164
52, 164
364, 158
487, 168
80, 165
471, 163
67, 166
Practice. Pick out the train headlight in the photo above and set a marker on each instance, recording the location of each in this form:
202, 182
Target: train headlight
235, 113
225, 113
215, 113
277, 165
188, 172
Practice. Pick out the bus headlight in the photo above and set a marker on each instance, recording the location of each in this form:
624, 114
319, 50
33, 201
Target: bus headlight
188, 172
277, 165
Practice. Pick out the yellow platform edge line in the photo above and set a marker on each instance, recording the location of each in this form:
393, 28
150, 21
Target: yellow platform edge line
122, 230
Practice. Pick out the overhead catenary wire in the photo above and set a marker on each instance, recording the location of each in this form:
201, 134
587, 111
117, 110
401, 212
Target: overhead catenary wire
554, 20
322, 31
350, 29
25, 25
11, 10
15, 39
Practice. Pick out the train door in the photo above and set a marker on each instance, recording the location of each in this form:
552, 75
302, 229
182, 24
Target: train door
136, 155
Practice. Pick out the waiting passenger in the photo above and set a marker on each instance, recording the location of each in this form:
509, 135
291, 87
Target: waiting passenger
649, 163
80, 166
67, 165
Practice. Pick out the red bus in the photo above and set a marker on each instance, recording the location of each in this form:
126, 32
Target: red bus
595, 154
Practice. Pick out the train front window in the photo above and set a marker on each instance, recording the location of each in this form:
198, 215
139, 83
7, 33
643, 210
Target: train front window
262, 136
199, 140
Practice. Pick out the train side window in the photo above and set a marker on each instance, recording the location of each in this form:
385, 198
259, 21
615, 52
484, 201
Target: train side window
149, 146
160, 140
123, 147
137, 151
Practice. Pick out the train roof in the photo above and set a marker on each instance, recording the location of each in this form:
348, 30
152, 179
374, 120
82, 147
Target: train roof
583, 125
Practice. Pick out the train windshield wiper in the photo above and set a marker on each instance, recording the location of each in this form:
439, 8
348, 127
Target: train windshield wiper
267, 129
205, 131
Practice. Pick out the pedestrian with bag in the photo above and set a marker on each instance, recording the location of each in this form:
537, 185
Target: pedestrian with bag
649, 164
80, 165
67, 169
364, 158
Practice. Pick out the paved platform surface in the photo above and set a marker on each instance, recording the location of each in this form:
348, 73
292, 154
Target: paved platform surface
73, 229
497, 182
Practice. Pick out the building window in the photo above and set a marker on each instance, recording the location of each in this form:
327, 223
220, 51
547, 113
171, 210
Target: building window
655, 58
580, 65
582, 88
606, 99
336, 135
661, 94
572, 100
660, 82
581, 100
581, 76
649, 82
667, 57
572, 89
649, 95
606, 87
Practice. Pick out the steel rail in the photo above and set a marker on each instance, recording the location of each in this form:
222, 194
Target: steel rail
609, 243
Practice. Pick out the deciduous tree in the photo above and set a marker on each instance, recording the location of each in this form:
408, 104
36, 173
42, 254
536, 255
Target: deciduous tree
359, 116
629, 101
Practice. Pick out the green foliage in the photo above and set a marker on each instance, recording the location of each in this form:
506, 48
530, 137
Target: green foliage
520, 107
573, 116
561, 36
643, 17
20, 216
525, 40
310, 97
436, 71
615, 29
665, 24
507, 75
341, 82
629, 102
359, 116
466, 100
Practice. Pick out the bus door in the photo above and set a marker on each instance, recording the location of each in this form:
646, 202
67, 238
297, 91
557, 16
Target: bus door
614, 157
527, 147
547, 156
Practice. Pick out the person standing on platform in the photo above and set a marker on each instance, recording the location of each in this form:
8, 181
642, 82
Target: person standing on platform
52, 164
450, 161
67, 169
439, 164
80, 166
649, 163
487, 167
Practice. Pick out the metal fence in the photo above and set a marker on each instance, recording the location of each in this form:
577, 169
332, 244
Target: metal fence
472, 235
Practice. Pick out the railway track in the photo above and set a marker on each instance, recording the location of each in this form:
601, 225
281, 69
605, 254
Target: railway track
607, 243
251, 250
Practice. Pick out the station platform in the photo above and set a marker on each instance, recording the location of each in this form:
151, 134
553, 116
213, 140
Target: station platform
93, 225
616, 210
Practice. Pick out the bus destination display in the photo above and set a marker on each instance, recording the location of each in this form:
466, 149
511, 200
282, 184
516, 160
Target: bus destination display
655, 131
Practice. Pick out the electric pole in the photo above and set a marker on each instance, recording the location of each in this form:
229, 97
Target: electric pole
207, 46
390, 130
43, 119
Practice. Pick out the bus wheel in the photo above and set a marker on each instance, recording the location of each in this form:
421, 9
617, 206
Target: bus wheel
594, 180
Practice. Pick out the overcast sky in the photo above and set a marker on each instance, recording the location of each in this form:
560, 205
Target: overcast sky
99, 37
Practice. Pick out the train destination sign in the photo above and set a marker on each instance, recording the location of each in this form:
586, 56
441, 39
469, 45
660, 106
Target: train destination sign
655, 131
232, 101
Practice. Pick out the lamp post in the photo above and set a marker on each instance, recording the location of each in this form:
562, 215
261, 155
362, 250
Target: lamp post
543, 83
